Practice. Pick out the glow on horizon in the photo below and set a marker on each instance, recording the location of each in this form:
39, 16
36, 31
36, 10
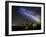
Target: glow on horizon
33, 17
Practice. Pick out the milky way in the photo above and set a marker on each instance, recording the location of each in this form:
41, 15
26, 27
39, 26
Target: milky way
29, 14
19, 14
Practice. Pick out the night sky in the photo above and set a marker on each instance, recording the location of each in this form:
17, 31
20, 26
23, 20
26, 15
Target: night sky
22, 13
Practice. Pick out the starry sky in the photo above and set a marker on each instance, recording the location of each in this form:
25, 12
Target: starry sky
24, 13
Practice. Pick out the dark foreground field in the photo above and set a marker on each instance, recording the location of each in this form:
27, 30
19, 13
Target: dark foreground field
17, 28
